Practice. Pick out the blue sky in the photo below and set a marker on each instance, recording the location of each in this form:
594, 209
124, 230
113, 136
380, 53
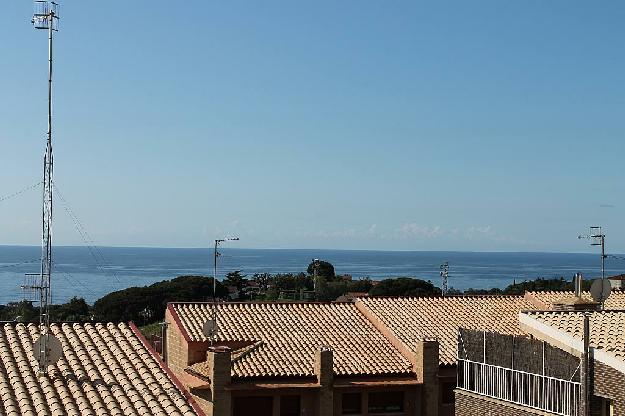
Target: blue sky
408, 125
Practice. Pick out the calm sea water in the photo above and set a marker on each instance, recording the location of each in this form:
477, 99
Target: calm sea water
79, 271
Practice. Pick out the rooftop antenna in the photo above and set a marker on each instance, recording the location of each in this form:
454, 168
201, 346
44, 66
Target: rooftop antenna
597, 238
47, 349
210, 327
444, 276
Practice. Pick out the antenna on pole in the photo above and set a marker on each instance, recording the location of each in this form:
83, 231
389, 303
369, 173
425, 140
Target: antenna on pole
47, 349
597, 238
444, 276
210, 327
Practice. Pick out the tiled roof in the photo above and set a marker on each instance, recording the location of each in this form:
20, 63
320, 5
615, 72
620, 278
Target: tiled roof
287, 335
607, 328
105, 370
410, 319
545, 299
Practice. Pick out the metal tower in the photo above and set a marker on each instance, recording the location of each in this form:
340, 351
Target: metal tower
46, 17
444, 277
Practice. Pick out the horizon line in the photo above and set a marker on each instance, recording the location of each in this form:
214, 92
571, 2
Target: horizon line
311, 249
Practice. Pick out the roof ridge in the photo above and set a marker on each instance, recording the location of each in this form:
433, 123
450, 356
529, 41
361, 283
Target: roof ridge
263, 302
166, 368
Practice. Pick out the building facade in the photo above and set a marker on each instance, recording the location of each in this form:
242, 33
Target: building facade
559, 368
297, 359
388, 355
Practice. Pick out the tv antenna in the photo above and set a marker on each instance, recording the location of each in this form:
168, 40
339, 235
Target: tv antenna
597, 238
444, 276
47, 349
210, 327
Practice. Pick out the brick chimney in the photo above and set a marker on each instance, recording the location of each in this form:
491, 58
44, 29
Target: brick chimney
426, 369
324, 371
219, 368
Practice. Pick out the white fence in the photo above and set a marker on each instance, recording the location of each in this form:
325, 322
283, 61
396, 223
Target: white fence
533, 390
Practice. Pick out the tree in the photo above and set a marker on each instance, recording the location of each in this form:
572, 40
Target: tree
324, 269
235, 279
76, 310
404, 286
129, 304
543, 284
263, 280
23, 311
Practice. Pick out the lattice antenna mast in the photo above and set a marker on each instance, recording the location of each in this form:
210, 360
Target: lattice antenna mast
444, 277
46, 17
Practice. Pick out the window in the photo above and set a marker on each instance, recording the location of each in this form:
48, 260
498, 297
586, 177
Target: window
447, 392
352, 404
258, 406
290, 406
386, 402
607, 407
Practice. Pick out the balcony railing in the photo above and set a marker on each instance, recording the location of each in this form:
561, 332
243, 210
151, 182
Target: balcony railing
532, 390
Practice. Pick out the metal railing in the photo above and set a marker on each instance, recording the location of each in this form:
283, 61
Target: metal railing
532, 390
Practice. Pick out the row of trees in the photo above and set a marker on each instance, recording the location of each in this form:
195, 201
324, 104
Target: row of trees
540, 284
147, 304
73, 311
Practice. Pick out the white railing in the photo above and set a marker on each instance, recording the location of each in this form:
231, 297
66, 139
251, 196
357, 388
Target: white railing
532, 390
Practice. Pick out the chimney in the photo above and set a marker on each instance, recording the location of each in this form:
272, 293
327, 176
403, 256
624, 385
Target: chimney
578, 284
324, 370
219, 364
426, 368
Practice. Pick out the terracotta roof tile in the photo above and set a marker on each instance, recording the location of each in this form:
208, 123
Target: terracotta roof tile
287, 335
607, 328
410, 319
105, 370
546, 299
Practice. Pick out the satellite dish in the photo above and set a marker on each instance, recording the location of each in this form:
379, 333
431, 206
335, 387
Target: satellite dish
209, 329
54, 350
600, 290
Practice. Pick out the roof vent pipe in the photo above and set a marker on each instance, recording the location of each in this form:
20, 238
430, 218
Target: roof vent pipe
578, 284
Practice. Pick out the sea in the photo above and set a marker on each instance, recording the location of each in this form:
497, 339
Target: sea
92, 272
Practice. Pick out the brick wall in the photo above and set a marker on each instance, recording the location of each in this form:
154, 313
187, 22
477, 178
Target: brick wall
176, 348
470, 404
608, 383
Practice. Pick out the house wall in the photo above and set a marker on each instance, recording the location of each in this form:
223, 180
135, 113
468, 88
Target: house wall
471, 404
180, 353
176, 347
312, 402
608, 383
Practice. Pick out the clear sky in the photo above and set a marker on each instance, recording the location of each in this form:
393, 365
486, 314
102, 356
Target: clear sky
481, 125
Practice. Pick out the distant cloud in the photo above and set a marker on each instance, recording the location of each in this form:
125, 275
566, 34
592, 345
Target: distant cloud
413, 229
483, 231
607, 206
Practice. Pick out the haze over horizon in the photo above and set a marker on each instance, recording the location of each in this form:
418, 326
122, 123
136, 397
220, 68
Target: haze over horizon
403, 126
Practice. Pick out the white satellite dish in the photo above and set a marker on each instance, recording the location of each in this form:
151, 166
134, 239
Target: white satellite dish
600, 290
54, 350
209, 329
